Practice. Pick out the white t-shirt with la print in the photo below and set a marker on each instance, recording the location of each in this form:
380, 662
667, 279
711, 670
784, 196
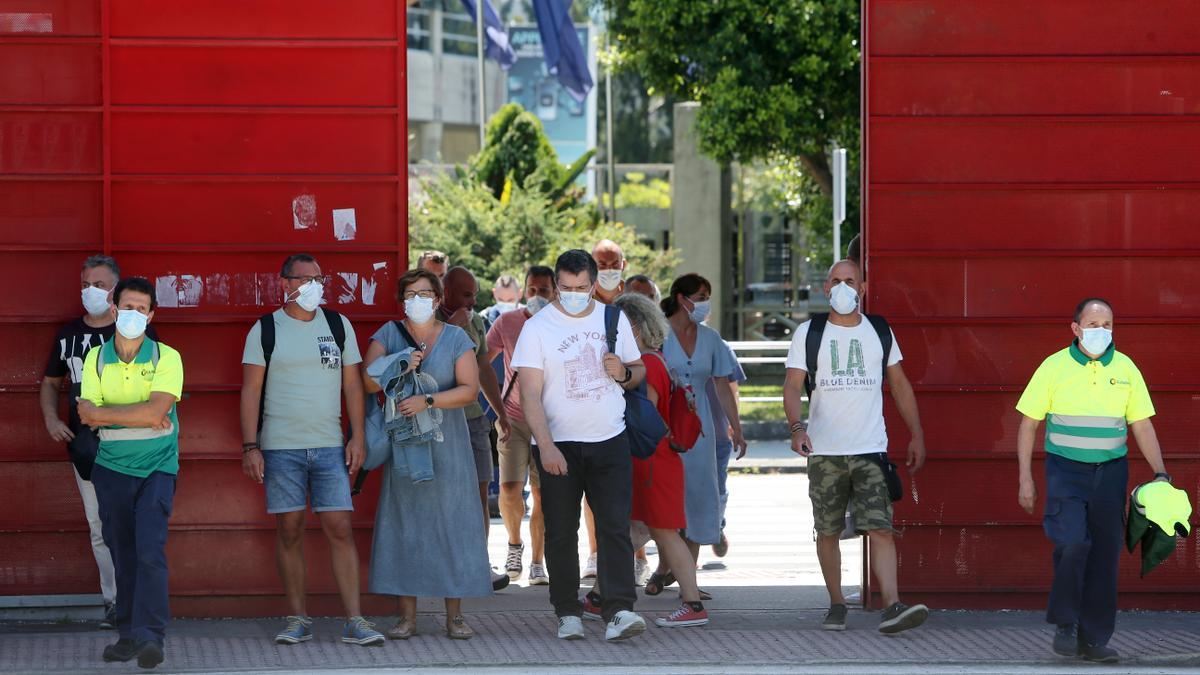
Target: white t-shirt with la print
583, 404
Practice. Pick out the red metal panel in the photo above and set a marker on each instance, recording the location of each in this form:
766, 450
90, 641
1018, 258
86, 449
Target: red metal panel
56, 213
345, 19
254, 143
250, 212
58, 18
50, 74
1021, 156
1048, 27
1034, 150
1035, 285
965, 422
206, 75
1061, 219
182, 157
1036, 86
49, 142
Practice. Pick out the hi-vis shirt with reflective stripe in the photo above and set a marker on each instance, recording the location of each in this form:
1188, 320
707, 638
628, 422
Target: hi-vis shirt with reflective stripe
1087, 404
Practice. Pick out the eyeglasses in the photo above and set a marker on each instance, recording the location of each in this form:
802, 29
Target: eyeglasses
320, 279
428, 295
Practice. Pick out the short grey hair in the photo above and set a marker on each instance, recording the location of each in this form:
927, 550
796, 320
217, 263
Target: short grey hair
508, 281
646, 316
105, 260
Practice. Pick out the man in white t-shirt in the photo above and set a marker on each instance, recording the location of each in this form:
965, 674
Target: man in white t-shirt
572, 395
845, 439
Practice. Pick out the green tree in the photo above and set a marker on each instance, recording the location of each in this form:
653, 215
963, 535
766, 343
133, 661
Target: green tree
775, 77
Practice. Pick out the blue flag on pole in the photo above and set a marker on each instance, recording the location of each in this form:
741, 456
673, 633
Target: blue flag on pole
565, 57
498, 47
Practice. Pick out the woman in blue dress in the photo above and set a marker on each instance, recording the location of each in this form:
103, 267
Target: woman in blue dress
428, 539
695, 354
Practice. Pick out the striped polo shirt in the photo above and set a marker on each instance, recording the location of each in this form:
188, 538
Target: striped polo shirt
135, 451
1087, 404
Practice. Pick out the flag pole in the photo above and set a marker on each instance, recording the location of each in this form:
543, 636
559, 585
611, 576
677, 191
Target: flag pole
608, 126
479, 42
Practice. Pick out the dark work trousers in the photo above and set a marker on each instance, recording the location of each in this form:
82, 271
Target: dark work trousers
134, 513
1085, 518
604, 472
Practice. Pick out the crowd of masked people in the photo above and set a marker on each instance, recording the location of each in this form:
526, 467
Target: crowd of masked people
609, 400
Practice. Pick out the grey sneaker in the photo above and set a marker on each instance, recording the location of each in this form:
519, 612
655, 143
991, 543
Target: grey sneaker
900, 617
1066, 640
512, 563
835, 618
298, 629
1098, 653
359, 631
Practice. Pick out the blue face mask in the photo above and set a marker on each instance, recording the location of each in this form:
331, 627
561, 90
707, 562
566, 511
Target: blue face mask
1096, 340
131, 323
574, 302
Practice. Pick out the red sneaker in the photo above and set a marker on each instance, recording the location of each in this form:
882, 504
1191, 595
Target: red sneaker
684, 616
591, 608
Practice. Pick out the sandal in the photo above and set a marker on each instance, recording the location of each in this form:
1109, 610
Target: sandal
404, 629
457, 629
658, 581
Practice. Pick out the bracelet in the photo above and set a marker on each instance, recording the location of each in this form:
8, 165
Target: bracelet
628, 376
799, 426
247, 447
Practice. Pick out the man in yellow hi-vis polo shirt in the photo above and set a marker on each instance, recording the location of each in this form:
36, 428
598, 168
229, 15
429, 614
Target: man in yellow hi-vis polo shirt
129, 390
1089, 394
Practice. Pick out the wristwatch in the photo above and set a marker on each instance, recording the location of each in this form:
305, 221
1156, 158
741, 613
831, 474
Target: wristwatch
1164, 475
428, 401
247, 447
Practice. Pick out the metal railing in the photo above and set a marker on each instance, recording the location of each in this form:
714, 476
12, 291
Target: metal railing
757, 347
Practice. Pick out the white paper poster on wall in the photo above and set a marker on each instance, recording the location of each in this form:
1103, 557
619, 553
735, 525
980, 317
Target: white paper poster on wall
344, 226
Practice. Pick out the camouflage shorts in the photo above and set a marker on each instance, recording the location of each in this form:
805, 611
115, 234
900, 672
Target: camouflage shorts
852, 483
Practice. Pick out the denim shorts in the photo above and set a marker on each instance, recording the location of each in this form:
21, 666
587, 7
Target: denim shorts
291, 476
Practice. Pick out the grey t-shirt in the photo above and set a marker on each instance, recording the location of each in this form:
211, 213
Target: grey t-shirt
303, 406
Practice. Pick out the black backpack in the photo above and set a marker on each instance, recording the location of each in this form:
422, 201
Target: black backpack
644, 427
266, 324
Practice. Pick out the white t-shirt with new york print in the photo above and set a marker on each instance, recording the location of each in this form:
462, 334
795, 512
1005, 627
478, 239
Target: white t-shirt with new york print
846, 411
583, 404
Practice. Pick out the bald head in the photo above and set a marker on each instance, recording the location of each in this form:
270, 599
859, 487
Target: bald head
608, 246
461, 289
845, 270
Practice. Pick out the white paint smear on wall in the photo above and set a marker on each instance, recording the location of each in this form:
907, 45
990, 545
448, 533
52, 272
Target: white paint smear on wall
26, 22
178, 290
344, 225
304, 212
347, 288
371, 284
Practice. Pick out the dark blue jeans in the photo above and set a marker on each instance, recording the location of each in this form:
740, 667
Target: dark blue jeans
1085, 518
134, 513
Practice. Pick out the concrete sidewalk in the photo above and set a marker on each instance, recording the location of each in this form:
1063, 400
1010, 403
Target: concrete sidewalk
762, 641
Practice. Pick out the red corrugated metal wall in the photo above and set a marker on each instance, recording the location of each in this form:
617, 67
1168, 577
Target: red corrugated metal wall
1020, 156
178, 137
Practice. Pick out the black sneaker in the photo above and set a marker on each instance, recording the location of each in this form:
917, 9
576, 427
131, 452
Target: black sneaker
900, 617
109, 621
149, 654
1066, 640
835, 618
121, 650
1098, 653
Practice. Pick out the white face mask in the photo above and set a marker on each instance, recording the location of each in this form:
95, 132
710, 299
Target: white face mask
1096, 340
503, 307
609, 279
309, 296
574, 302
843, 299
418, 310
95, 300
536, 304
700, 310
131, 324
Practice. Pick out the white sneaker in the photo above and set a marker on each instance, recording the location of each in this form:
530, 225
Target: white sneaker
624, 625
537, 575
640, 568
571, 628
589, 570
